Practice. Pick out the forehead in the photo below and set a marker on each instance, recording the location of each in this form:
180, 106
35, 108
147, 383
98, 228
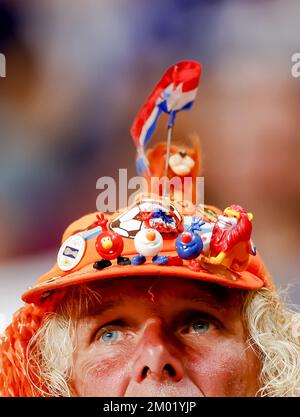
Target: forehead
157, 292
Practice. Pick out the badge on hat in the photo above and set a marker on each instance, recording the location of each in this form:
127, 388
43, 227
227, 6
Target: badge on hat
71, 252
73, 249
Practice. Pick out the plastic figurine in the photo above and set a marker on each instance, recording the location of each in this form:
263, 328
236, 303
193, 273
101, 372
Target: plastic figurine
230, 244
149, 242
184, 162
109, 245
189, 244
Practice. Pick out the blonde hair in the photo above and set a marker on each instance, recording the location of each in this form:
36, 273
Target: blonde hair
270, 323
274, 334
50, 350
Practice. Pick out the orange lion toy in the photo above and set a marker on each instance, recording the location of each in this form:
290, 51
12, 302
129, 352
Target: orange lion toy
184, 162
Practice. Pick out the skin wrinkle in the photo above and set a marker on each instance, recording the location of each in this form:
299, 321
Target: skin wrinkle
217, 366
91, 307
209, 299
93, 369
95, 365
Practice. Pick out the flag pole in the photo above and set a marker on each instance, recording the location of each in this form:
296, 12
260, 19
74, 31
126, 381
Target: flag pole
169, 139
168, 148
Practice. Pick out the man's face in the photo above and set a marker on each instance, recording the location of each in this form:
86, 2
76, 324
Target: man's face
164, 337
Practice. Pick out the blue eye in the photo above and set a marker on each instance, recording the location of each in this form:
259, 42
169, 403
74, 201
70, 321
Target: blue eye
110, 336
200, 326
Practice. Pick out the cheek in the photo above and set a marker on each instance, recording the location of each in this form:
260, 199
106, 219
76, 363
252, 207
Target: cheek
226, 369
101, 374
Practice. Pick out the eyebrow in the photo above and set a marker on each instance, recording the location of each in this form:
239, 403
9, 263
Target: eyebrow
95, 309
216, 297
212, 297
99, 308
213, 303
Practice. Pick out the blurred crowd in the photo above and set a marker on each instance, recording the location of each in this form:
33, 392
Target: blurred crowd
77, 73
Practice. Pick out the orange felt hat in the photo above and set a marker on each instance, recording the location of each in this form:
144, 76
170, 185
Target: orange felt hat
127, 223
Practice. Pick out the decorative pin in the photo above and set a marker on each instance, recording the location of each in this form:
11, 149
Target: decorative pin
71, 252
230, 243
189, 244
148, 242
109, 245
72, 249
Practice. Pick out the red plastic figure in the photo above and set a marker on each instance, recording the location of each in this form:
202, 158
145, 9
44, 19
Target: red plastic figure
109, 245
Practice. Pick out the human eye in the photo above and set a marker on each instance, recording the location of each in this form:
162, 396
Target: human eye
112, 333
109, 336
200, 326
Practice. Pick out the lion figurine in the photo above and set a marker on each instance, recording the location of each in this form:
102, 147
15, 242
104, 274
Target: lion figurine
230, 243
184, 162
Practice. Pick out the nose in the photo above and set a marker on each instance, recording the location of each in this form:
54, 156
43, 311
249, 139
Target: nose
186, 237
182, 153
154, 358
150, 236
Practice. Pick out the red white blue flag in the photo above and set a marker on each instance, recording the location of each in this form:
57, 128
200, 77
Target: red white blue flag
175, 91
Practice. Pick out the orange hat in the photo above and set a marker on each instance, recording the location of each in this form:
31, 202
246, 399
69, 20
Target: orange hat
152, 237
78, 253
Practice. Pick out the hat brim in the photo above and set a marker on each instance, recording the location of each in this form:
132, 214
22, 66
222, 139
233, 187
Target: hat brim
245, 280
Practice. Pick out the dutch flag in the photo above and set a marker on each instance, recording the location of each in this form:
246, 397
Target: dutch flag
175, 91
